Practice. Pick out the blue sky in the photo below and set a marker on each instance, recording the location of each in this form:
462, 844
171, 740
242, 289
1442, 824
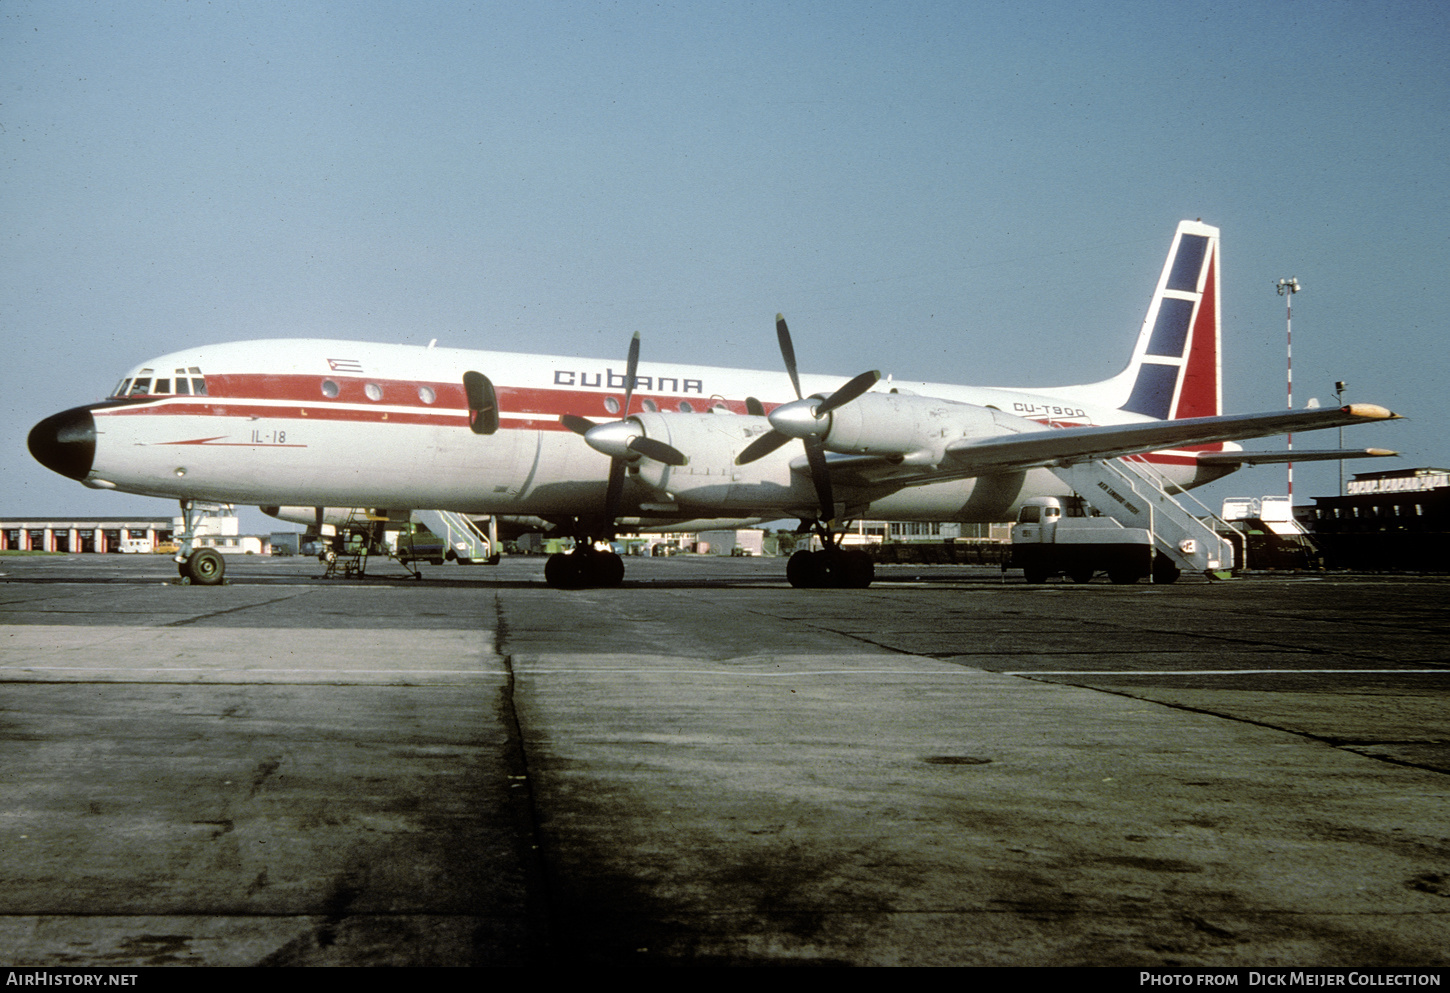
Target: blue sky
964, 192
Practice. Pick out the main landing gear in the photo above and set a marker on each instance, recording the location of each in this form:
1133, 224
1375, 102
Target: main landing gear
833, 567
583, 568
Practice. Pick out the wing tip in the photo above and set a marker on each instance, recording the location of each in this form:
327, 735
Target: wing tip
1371, 412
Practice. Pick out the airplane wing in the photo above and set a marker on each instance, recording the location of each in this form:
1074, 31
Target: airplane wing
1032, 446
1066, 446
1297, 455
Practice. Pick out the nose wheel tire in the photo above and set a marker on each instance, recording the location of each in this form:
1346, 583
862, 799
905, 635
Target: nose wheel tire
205, 567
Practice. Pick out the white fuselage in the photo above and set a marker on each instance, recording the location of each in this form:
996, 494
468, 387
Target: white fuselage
357, 424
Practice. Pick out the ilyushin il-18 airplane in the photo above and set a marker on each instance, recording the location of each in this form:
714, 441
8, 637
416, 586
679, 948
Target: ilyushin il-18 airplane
596, 447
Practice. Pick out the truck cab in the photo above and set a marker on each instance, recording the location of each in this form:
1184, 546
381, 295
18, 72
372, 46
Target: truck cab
1054, 537
1037, 520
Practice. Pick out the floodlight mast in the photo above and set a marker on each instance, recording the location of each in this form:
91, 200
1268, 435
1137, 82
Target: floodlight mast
1287, 288
1339, 388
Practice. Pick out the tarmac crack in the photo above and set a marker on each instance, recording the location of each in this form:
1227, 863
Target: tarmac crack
1339, 744
538, 902
231, 610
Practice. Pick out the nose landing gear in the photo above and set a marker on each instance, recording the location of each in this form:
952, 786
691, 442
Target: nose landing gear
197, 566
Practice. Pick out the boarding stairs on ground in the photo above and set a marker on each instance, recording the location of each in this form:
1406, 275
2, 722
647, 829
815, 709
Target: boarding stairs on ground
1131, 494
464, 538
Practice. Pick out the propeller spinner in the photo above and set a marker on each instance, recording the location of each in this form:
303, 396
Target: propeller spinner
623, 440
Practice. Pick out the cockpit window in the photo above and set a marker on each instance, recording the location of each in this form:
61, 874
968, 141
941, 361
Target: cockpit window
188, 382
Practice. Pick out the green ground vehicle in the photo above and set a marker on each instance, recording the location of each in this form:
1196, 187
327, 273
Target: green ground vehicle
417, 544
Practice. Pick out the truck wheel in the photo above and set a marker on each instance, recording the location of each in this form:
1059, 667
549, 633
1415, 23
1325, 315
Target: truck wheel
1034, 574
1124, 577
1165, 571
206, 567
1082, 576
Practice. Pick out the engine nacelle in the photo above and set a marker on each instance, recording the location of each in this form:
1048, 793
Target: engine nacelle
712, 441
915, 428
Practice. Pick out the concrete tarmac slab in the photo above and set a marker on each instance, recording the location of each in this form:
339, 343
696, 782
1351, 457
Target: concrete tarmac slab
111, 653
706, 767
744, 816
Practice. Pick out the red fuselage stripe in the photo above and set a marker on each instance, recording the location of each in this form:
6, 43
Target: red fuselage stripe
232, 395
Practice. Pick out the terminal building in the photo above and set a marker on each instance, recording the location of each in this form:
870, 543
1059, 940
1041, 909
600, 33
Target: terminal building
219, 528
84, 534
1396, 520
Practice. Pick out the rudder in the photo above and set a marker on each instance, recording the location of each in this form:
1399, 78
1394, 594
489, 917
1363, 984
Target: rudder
1176, 366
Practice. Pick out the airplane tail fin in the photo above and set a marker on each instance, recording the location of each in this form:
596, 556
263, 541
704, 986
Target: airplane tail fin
1175, 368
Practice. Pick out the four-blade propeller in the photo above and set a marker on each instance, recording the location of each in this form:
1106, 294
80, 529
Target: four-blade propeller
623, 440
806, 418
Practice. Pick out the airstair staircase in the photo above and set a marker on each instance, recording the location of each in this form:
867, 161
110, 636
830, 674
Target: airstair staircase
1131, 494
464, 538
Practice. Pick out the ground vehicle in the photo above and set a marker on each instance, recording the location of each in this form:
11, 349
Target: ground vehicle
417, 544
1049, 540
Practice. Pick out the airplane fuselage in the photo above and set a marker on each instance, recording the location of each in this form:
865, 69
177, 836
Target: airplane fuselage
594, 447
340, 423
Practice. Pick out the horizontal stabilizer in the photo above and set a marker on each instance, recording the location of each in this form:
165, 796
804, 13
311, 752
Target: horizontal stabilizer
1273, 458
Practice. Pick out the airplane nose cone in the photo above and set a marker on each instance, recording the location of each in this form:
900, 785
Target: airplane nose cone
66, 442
